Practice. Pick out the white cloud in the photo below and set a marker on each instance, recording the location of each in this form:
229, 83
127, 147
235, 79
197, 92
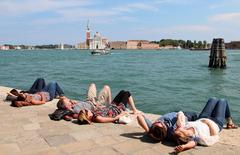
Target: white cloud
29, 6
226, 17
224, 4
192, 28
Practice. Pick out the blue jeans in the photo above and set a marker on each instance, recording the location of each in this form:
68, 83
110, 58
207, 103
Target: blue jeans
53, 89
216, 110
37, 86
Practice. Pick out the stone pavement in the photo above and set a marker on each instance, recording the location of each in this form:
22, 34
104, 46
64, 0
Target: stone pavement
29, 131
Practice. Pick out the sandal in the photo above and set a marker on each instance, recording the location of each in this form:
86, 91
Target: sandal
231, 126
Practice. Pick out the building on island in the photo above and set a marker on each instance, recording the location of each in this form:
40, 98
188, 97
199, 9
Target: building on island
118, 45
233, 45
3, 47
141, 44
149, 46
97, 42
88, 36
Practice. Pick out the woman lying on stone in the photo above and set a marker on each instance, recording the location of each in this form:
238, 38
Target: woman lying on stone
109, 113
205, 130
38, 94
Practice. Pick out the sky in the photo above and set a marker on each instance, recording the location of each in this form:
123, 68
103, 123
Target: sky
64, 21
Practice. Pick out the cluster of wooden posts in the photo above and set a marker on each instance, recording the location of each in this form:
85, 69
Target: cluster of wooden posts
217, 58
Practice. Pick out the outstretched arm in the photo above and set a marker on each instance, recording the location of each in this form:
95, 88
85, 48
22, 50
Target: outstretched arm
36, 102
188, 145
142, 122
101, 119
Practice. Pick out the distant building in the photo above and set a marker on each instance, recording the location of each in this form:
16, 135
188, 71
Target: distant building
141, 44
135, 44
81, 45
118, 45
233, 45
98, 42
3, 47
149, 46
88, 36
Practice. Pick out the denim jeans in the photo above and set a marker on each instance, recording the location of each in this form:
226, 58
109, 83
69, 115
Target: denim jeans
37, 86
216, 110
53, 89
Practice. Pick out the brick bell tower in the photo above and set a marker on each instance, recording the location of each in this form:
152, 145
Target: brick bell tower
88, 35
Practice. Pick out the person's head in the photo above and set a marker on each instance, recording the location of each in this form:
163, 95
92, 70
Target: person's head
158, 131
85, 117
181, 135
21, 97
14, 92
65, 103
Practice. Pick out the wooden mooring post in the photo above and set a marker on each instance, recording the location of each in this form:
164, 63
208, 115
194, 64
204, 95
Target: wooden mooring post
217, 58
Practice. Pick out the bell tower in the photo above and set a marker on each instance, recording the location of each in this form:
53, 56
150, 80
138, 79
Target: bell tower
88, 36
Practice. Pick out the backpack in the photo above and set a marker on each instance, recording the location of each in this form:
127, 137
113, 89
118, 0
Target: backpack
58, 114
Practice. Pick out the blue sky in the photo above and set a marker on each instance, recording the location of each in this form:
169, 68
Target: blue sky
55, 21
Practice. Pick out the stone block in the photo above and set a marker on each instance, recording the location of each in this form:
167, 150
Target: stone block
90, 134
85, 144
59, 140
32, 126
9, 148
100, 150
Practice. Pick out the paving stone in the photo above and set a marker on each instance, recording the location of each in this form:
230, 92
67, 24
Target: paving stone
130, 146
9, 149
78, 146
105, 141
52, 151
59, 140
29, 140
32, 126
90, 134
147, 152
100, 150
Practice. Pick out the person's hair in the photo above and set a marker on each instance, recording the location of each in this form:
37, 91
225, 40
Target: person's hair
14, 92
178, 136
61, 104
21, 97
158, 133
82, 118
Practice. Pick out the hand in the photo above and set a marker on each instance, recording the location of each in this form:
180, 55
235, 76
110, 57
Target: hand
179, 148
121, 114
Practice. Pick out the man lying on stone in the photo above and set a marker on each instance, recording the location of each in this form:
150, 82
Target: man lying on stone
111, 112
93, 100
163, 128
38, 94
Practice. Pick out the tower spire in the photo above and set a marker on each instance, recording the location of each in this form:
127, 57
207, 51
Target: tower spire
88, 27
88, 35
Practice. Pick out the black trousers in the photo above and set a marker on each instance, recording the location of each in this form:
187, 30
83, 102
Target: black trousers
122, 97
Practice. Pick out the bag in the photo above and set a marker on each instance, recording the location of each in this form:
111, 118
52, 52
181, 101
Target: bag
58, 114
125, 119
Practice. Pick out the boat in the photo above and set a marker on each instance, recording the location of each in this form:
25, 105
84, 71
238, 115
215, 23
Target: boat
100, 52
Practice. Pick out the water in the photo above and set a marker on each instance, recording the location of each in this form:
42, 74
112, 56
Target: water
160, 81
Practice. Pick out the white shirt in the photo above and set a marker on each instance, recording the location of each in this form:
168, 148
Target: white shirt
202, 132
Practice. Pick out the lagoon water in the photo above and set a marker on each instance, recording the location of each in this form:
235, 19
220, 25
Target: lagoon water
160, 81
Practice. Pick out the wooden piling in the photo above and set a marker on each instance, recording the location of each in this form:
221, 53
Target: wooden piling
217, 58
